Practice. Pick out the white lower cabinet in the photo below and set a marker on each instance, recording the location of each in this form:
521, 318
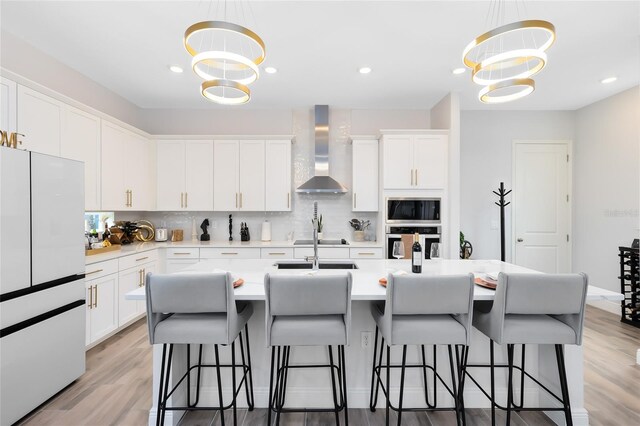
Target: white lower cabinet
177, 265
129, 280
276, 253
366, 253
230, 253
323, 252
102, 307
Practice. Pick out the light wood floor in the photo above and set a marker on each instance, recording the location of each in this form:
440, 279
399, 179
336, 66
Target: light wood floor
116, 389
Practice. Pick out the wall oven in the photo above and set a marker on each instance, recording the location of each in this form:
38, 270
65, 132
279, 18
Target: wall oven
428, 236
412, 210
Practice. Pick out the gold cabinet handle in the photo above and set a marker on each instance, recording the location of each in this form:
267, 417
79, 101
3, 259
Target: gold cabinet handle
365, 253
126, 203
181, 253
95, 300
288, 200
142, 258
276, 253
131, 195
93, 272
139, 277
90, 289
355, 200
186, 200
241, 200
144, 274
230, 253
236, 200
416, 177
182, 200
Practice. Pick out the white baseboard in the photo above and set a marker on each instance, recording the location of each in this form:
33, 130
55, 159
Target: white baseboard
606, 305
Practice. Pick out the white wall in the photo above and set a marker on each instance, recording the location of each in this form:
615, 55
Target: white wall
606, 185
485, 161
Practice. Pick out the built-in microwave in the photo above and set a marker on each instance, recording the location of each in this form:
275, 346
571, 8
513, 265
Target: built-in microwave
412, 210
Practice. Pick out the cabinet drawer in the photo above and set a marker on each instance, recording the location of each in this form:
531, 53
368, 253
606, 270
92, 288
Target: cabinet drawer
323, 252
230, 253
183, 253
101, 269
134, 260
366, 253
276, 253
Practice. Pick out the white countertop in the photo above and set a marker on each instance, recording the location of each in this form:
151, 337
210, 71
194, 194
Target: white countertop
141, 247
365, 279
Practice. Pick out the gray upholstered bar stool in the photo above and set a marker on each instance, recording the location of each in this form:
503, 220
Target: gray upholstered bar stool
540, 309
303, 310
198, 308
423, 310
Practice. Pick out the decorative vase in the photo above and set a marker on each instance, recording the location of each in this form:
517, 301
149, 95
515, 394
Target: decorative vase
358, 235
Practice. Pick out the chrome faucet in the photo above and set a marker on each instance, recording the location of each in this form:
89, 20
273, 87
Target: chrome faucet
314, 259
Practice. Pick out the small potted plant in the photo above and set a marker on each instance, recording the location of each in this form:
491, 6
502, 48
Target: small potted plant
359, 226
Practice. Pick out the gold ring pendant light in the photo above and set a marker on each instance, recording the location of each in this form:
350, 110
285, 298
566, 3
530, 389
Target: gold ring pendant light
229, 85
509, 68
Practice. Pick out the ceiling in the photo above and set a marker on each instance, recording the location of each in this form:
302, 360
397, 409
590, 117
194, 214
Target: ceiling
318, 46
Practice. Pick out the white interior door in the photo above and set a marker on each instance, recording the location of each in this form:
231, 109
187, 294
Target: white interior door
541, 210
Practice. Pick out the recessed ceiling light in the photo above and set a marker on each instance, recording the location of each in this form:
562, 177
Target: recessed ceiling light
175, 68
608, 80
364, 70
457, 71
270, 70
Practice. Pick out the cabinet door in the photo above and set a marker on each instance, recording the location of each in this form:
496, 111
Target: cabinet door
430, 161
39, 119
177, 265
225, 176
81, 141
128, 280
139, 173
7, 105
252, 176
141, 305
278, 175
88, 306
170, 172
104, 309
398, 164
112, 156
199, 175
365, 176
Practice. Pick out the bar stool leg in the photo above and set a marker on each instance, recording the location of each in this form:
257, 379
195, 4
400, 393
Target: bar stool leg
374, 399
249, 382
217, 355
424, 377
233, 383
287, 352
509, 382
462, 373
159, 413
165, 390
344, 385
493, 384
333, 386
270, 405
563, 385
402, 371
374, 382
387, 384
453, 386
279, 373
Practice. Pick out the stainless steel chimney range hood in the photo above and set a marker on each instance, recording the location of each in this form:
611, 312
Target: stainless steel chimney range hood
321, 182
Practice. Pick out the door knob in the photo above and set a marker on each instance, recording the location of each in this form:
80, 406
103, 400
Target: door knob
520, 240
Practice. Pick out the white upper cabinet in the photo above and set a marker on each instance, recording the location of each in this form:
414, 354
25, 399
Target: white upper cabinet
39, 120
415, 161
252, 185
81, 141
8, 105
278, 175
185, 175
226, 175
128, 176
365, 176
239, 175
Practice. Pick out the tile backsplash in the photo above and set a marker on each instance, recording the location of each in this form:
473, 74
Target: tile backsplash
335, 209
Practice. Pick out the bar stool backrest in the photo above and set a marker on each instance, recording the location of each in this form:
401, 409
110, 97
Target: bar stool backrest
287, 295
431, 295
562, 296
188, 293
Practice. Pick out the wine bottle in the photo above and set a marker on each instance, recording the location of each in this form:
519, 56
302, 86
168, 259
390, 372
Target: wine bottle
416, 255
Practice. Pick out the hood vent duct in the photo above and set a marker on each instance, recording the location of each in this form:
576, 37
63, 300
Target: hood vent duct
321, 182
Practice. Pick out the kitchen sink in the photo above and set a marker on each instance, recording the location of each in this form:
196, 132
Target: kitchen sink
321, 242
322, 265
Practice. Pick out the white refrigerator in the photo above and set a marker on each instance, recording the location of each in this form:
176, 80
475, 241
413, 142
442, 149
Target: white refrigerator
42, 313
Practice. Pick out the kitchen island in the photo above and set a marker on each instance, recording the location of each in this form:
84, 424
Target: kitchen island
312, 388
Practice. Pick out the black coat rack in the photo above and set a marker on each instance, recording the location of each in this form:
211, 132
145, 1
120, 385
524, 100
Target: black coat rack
501, 203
